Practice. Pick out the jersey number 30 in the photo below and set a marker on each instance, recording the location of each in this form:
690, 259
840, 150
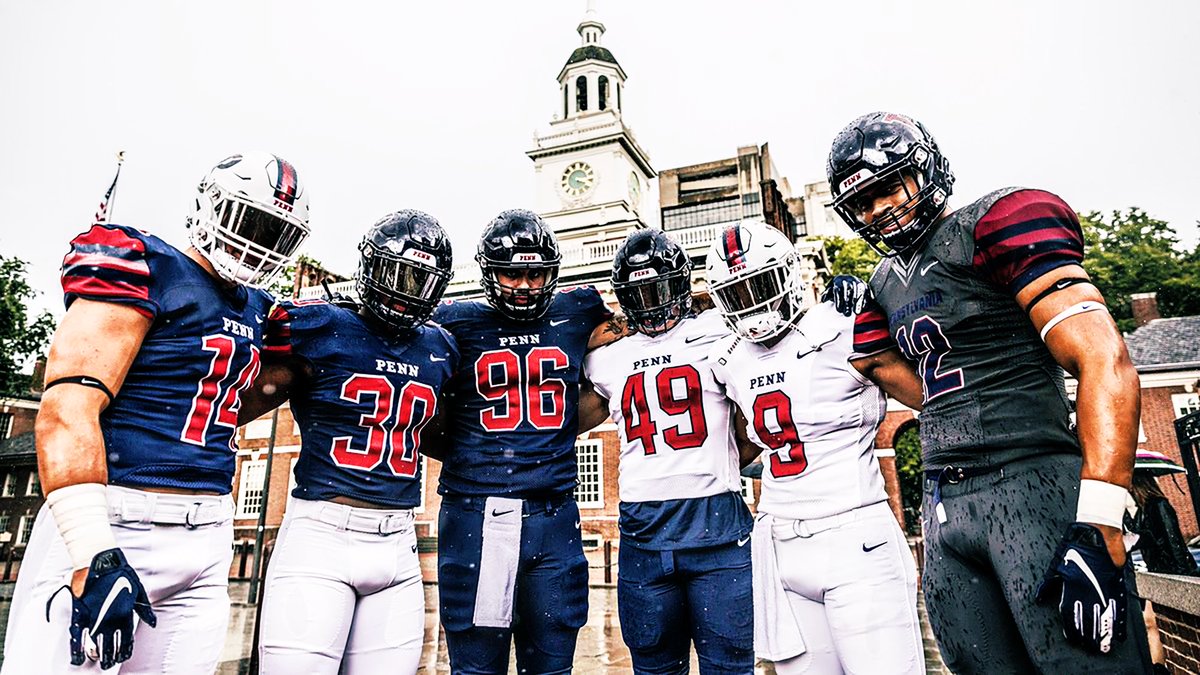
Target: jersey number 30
393, 426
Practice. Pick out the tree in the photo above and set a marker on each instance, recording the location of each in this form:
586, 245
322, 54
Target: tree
1130, 252
20, 338
910, 476
850, 256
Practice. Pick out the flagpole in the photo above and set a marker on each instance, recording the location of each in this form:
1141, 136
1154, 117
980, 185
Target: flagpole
104, 211
112, 201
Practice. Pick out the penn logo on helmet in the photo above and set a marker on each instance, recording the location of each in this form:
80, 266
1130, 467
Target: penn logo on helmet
856, 177
419, 256
642, 274
527, 257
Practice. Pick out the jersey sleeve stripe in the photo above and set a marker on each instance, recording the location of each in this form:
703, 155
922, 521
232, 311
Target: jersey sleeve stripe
82, 257
277, 338
871, 331
1025, 235
108, 264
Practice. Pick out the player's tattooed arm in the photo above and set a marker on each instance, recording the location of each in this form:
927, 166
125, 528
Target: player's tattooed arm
610, 331
271, 388
593, 408
748, 451
894, 374
1089, 346
99, 340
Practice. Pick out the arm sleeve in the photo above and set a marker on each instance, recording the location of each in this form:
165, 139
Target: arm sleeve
1025, 235
871, 334
109, 264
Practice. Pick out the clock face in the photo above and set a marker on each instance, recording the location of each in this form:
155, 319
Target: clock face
577, 179
635, 189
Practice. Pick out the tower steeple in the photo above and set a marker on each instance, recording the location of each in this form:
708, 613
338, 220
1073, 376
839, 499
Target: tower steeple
591, 81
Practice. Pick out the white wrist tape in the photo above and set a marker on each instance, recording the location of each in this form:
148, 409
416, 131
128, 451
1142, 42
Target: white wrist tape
1101, 503
1080, 308
81, 512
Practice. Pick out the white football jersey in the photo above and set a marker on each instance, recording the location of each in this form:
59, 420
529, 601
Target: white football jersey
674, 419
813, 414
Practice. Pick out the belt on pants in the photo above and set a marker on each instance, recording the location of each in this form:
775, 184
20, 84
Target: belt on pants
128, 505
952, 475
354, 519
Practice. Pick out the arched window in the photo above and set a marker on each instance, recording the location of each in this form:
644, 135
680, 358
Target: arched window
618, 95
581, 93
603, 93
566, 103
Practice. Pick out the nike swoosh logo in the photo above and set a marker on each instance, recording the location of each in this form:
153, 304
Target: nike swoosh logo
497, 514
693, 339
258, 319
88, 382
1073, 556
435, 359
742, 542
577, 524
414, 548
116, 590
559, 322
868, 549
927, 267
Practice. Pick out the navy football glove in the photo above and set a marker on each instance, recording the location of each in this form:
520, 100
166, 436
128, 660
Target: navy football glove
848, 294
1089, 588
102, 618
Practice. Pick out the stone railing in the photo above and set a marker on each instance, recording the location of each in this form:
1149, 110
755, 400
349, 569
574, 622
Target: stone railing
1177, 608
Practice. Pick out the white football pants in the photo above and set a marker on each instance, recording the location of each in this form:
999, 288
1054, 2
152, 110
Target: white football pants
851, 582
343, 590
181, 547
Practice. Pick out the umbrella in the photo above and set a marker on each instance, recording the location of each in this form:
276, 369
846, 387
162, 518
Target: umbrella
1156, 463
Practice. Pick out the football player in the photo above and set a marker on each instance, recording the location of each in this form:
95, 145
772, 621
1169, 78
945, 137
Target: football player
343, 589
984, 307
684, 570
834, 582
136, 431
510, 559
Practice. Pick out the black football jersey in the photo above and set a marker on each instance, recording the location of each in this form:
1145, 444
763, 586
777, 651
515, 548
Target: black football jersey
993, 392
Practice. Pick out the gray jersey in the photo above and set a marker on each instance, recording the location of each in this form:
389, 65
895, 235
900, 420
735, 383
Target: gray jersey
993, 392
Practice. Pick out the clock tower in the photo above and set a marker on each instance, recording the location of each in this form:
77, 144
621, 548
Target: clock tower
591, 173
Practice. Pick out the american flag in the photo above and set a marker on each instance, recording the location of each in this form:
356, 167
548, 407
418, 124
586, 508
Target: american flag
105, 204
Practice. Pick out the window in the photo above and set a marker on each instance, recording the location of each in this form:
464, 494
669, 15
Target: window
6, 420
566, 103
724, 211
590, 491
10, 486
581, 93
1185, 404
5, 521
603, 93
250, 489
24, 530
259, 428
748, 489
34, 487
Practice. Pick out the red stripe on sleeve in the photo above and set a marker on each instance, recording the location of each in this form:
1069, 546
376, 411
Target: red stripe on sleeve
101, 235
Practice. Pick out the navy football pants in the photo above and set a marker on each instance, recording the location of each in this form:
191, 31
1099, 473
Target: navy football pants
669, 599
551, 598
983, 567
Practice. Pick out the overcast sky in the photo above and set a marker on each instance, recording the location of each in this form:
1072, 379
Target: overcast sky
432, 105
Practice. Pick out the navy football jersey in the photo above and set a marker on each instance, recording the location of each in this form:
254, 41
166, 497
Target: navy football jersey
513, 402
174, 421
366, 400
993, 392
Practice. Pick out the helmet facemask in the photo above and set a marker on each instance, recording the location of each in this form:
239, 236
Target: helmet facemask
889, 234
654, 303
247, 228
519, 304
400, 290
761, 303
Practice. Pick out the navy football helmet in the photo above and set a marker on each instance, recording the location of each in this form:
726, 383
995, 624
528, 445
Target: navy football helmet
405, 267
882, 147
518, 240
652, 279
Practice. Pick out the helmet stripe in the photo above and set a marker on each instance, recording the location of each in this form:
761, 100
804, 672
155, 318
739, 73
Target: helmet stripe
734, 253
285, 182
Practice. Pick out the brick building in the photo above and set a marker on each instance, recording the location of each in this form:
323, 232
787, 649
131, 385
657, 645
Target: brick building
20, 489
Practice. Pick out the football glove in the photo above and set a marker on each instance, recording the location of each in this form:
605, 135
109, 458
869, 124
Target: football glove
848, 294
1089, 588
102, 622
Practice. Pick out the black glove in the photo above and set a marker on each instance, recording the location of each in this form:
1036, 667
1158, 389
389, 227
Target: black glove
102, 618
1089, 588
848, 294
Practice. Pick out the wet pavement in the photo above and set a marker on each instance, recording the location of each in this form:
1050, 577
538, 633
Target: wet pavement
600, 649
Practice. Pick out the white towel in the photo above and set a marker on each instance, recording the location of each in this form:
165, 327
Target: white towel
498, 562
776, 630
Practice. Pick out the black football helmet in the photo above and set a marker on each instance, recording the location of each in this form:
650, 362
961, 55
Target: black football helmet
518, 240
652, 279
885, 146
405, 267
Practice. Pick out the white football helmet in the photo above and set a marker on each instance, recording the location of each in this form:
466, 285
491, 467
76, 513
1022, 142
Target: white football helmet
251, 217
754, 279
